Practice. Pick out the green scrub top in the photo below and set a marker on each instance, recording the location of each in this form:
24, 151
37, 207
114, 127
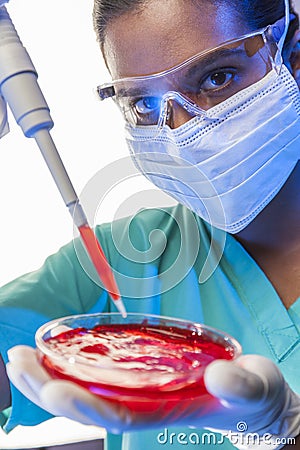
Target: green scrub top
167, 261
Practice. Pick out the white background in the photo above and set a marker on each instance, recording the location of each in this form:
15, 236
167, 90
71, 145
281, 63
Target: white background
89, 135
59, 37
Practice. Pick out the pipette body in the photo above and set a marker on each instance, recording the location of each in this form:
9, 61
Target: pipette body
20, 89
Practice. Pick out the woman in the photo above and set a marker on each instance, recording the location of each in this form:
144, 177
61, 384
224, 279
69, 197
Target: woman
217, 126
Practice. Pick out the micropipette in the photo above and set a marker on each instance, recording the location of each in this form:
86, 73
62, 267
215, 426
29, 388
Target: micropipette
20, 89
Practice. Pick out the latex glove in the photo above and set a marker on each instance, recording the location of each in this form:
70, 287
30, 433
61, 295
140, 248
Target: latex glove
251, 390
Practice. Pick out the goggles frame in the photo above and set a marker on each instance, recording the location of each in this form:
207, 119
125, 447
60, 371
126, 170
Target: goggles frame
107, 90
271, 34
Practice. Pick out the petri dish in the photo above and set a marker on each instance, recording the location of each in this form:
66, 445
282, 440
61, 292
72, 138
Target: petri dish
147, 362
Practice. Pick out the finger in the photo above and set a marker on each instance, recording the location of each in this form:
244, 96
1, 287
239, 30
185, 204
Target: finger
20, 352
263, 367
268, 372
232, 383
63, 398
17, 378
25, 372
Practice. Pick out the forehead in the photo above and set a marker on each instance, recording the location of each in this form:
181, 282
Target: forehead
166, 32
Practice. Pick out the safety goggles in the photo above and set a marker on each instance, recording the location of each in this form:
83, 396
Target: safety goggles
198, 83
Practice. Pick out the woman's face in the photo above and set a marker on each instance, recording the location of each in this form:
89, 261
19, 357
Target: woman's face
166, 33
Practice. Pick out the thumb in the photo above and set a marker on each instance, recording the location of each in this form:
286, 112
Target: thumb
230, 381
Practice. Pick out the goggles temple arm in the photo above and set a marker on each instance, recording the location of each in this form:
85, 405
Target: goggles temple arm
106, 92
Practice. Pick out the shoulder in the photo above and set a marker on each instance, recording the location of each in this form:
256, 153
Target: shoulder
147, 220
161, 235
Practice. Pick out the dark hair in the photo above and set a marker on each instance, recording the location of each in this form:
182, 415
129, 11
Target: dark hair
106, 10
256, 13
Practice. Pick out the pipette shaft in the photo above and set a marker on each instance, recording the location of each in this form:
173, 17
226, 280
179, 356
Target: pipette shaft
63, 182
20, 89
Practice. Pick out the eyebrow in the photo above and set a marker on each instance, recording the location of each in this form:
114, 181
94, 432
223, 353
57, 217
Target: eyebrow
210, 59
206, 60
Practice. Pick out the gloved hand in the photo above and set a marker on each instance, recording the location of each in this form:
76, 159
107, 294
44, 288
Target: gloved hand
255, 394
251, 390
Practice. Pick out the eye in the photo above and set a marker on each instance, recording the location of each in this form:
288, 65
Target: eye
217, 80
147, 105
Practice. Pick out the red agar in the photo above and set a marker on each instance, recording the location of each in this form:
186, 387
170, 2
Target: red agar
160, 367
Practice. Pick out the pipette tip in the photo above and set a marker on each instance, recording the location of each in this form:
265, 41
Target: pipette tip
121, 308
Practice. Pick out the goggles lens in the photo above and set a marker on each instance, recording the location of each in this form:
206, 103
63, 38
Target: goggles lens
198, 84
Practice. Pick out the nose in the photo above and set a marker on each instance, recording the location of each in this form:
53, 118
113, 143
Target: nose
177, 115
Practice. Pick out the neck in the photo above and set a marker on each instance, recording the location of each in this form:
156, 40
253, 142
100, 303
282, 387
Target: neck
273, 240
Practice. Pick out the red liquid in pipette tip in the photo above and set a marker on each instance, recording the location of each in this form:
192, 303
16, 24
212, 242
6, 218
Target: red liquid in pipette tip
101, 265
